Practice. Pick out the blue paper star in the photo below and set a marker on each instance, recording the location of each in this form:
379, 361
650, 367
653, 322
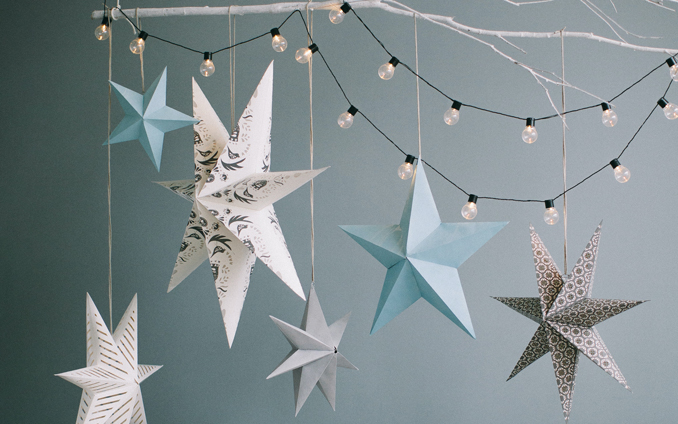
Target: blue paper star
422, 255
147, 117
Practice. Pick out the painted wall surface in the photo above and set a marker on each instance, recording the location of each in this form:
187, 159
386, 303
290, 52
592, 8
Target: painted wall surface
418, 368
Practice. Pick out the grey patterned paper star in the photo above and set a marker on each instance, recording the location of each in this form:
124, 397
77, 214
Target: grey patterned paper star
567, 316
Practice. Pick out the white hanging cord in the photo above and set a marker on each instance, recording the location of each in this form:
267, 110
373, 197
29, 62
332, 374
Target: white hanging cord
141, 55
416, 66
110, 226
231, 58
309, 19
562, 88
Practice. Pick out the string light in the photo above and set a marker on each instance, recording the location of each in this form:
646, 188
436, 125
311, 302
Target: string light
207, 67
451, 115
138, 44
673, 68
550, 214
530, 132
387, 69
101, 32
406, 170
346, 119
278, 42
621, 173
670, 110
609, 116
470, 209
303, 55
337, 15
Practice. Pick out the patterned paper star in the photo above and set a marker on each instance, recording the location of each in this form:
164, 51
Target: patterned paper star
314, 357
422, 256
110, 382
566, 315
232, 221
147, 117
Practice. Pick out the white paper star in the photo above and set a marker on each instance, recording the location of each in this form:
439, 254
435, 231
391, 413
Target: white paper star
314, 357
110, 382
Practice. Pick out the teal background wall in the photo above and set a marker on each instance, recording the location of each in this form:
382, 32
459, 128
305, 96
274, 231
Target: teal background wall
419, 367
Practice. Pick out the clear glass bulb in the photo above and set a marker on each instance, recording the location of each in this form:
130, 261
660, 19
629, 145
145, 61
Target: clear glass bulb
469, 210
207, 68
622, 174
101, 32
336, 16
345, 120
137, 45
551, 216
673, 70
609, 118
279, 43
386, 71
530, 134
671, 111
451, 116
405, 171
303, 55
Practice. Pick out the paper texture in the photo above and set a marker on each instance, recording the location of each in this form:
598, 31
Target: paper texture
566, 315
232, 221
314, 357
422, 256
147, 117
110, 382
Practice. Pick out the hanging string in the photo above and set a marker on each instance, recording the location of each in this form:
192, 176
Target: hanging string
141, 55
416, 64
108, 144
231, 68
562, 93
309, 18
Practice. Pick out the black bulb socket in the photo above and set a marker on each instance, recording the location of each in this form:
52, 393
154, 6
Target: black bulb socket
529, 122
394, 61
456, 105
670, 61
472, 198
207, 56
313, 48
614, 163
143, 35
548, 203
274, 32
409, 159
353, 110
605, 106
345, 8
662, 103
106, 20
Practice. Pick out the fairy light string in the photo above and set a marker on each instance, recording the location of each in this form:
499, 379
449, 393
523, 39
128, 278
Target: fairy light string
438, 90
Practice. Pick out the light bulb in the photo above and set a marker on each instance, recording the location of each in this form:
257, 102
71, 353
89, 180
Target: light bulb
207, 67
337, 15
406, 170
101, 32
346, 119
470, 209
621, 173
138, 44
451, 115
530, 132
670, 110
387, 69
609, 116
550, 214
278, 42
673, 68
303, 55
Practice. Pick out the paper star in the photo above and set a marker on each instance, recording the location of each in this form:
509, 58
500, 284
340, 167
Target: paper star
566, 315
232, 221
110, 382
422, 256
147, 117
314, 357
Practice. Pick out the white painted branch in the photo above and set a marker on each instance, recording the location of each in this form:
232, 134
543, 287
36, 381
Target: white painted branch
363, 4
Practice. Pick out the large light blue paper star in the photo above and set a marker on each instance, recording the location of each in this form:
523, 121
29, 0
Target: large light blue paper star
422, 255
147, 117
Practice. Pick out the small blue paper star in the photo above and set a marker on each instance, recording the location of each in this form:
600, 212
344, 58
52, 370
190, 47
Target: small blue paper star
422, 255
147, 117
